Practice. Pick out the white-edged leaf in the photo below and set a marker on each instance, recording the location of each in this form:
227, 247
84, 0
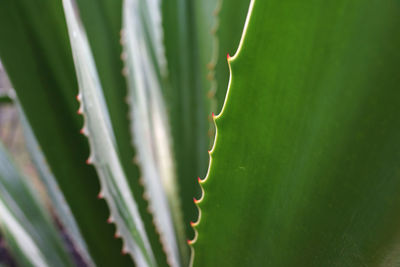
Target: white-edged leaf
145, 67
58, 201
104, 154
20, 238
27, 227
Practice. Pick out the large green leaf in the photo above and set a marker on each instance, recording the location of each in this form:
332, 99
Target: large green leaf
35, 52
305, 167
27, 227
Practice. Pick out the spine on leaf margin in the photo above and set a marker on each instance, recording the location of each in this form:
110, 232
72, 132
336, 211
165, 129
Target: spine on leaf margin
145, 70
104, 155
215, 120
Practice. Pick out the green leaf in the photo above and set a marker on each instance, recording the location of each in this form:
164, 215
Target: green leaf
195, 35
36, 54
305, 167
104, 152
28, 230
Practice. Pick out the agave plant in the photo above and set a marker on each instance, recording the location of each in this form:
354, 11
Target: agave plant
302, 168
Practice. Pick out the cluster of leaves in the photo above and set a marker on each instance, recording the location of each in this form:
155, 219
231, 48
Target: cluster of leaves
304, 168
158, 57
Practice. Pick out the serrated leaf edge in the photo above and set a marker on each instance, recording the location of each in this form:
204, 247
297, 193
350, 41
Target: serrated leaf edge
211, 67
158, 174
215, 118
135, 241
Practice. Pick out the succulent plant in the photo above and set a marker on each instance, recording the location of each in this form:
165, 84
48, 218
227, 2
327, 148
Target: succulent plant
302, 164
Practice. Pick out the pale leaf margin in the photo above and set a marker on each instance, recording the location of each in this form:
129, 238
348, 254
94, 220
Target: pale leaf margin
24, 221
145, 68
104, 155
58, 202
215, 117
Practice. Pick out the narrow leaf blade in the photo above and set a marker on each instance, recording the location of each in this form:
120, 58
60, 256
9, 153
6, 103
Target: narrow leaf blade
145, 67
42, 74
187, 103
26, 225
104, 153
58, 202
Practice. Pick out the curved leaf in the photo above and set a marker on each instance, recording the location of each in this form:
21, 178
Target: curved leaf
58, 201
186, 101
206, 13
33, 239
231, 18
102, 20
145, 69
35, 51
304, 170
104, 153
